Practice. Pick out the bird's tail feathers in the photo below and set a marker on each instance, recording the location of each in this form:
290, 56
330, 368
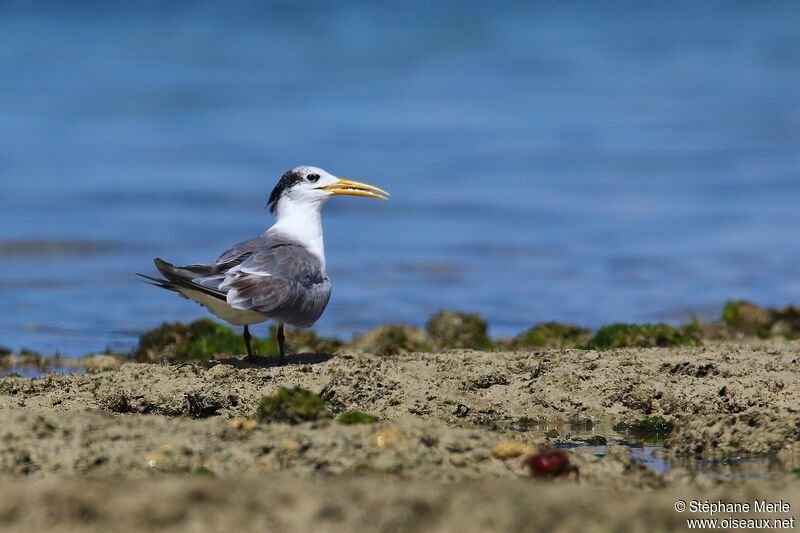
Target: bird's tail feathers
187, 272
158, 282
178, 278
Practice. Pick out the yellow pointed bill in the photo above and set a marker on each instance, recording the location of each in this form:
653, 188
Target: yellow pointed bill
355, 188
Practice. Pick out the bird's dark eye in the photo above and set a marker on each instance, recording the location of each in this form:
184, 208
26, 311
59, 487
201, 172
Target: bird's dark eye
313, 177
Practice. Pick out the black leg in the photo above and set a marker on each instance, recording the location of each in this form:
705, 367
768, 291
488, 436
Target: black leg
281, 340
247, 344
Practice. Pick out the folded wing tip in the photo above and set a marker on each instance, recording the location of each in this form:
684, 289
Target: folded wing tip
162, 265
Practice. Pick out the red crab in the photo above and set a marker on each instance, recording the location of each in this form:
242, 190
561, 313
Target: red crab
550, 462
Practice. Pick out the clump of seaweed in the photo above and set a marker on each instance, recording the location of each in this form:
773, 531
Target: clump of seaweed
644, 336
596, 440
202, 339
393, 339
306, 340
203, 472
751, 319
356, 417
553, 335
293, 406
527, 423
449, 329
654, 428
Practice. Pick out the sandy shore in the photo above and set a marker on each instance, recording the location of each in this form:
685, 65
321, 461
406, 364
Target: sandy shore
367, 503
146, 445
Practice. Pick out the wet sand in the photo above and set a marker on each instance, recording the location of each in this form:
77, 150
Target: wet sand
144, 445
367, 503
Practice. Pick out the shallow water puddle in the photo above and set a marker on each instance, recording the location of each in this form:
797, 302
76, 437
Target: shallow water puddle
33, 372
654, 457
651, 453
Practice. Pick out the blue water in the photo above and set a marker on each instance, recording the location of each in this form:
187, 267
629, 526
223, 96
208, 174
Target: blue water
590, 162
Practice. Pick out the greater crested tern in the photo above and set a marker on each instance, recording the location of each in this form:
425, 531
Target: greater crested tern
279, 275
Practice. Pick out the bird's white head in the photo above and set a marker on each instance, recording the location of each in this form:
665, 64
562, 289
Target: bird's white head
308, 188
298, 198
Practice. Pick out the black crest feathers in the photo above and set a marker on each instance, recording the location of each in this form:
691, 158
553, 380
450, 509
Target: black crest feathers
288, 180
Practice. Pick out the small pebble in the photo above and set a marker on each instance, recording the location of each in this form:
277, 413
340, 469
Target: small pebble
386, 439
507, 449
245, 424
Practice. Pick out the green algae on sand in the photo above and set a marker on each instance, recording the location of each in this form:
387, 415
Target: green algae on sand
749, 318
293, 406
356, 417
444, 331
553, 335
202, 339
596, 440
393, 339
306, 340
551, 434
644, 336
451, 330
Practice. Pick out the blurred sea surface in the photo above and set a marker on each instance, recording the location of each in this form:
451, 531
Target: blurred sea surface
584, 162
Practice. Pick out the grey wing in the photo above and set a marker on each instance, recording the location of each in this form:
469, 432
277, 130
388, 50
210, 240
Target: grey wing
211, 275
271, 275
275, 277
243, 250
